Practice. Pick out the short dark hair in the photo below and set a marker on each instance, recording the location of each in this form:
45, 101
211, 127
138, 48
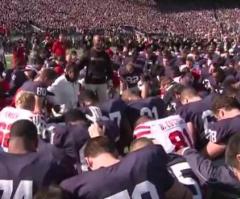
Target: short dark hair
73, 52
177, 89
51, 192
188, 92
141, 141
24, 129
223, 101
99, 145
230, 91
74, 115
72, 67
233, 148
48, 74
88, 95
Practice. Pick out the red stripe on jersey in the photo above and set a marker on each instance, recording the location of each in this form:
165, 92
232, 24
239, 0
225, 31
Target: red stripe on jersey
141, 134
142, 127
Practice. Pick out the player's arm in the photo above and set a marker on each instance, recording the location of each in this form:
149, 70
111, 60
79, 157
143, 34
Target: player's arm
212, 150
191, 128
83, 60
55, 88
123, 83
202, 166
191, 131
178, 191
122, 86
145, 90
126, 135
215, 146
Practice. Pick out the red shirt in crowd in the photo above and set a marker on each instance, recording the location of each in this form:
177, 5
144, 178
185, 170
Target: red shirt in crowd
4, 87
19, 57
59, 49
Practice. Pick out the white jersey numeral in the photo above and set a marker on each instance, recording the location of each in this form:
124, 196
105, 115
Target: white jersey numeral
151, 113
139, 190
177, 170
24, 189
116, 117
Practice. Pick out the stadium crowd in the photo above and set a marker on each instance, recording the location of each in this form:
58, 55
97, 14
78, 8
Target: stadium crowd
53, 14
136, 116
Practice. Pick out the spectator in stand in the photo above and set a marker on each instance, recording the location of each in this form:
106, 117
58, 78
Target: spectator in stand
59, 47
99, 69
3, 63
47, 45
19, 55
72, 57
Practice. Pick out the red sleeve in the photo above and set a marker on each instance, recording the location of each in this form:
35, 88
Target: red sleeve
54, 46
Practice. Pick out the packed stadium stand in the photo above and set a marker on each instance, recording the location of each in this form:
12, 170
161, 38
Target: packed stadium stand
119, 99
195, 17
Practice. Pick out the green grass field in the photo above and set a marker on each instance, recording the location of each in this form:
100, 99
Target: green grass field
8, 60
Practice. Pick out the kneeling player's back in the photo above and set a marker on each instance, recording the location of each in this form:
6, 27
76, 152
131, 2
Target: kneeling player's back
152, 107
141, 172
170, 132
22, 175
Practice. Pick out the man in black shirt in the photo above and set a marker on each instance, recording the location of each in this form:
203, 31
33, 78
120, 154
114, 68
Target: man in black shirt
98, 68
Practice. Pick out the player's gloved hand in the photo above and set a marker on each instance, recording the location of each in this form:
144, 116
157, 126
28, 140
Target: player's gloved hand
58, 110
96, 130
94, 114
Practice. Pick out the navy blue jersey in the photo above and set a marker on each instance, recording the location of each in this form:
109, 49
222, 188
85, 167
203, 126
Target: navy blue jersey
153, 107
200, 115
141, 173
16, 78
72, 138
182, 171
114, 109
36, 87
7, 74
220, 178
221, 131
131, 79
22, 175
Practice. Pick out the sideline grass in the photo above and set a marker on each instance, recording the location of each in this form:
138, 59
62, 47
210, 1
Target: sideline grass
8, 60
